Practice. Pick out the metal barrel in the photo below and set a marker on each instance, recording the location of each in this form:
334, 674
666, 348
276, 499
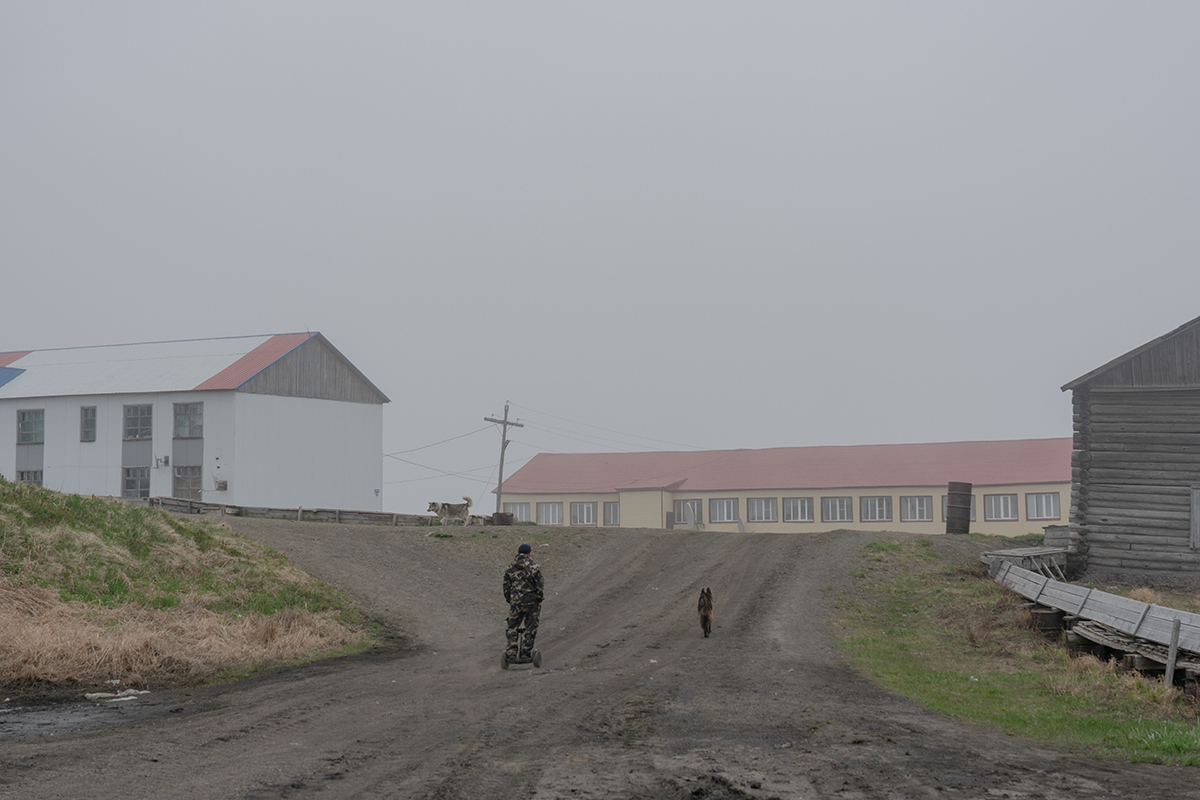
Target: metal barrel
958, 507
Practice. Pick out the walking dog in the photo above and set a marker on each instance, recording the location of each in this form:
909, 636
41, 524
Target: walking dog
451, 511
705, 609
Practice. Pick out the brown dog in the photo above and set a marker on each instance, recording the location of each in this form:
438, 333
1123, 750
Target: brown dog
705, 609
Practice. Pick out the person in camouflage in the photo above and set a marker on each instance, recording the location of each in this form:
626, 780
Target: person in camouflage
523, 591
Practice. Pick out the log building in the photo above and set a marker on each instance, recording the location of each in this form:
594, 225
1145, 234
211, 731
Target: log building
1135, 501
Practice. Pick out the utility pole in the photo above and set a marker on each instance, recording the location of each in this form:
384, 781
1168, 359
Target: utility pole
505, 425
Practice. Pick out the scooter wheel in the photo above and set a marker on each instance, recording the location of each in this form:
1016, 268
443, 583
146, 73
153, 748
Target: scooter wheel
537, 659
504, 661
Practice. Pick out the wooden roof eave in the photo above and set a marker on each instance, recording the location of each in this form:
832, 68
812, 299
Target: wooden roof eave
1131, 354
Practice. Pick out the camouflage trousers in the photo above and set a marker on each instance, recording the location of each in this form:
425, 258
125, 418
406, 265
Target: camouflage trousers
527, 615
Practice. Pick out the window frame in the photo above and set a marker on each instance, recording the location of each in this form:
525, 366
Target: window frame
769, 506
589, 510
520, 511
906, 510
31, 426
193, 416
556, 507
727, 504
33, 477
799, 503
696, 503
1030, 499
988, 504
613, 518
875, 501
142, 477
84, 427
145, 422
194, 482
842, 503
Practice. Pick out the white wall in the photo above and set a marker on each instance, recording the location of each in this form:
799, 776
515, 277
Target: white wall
273, 451
290, 452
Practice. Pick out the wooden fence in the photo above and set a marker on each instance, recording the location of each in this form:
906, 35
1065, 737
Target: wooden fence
1146, 621
177, 506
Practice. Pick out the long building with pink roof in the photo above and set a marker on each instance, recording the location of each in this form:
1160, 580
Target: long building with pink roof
279, 420
1019, 486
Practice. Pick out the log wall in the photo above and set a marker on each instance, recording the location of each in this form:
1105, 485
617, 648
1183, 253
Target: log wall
1136, 461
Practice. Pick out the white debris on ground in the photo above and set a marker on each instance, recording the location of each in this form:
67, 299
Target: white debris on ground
125, 694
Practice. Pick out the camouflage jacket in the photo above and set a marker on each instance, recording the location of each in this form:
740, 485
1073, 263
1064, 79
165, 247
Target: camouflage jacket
523, 581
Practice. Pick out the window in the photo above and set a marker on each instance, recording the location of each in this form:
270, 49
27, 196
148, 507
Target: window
1041, 506
876, 509
189, 420
681, 507
520, 511
136, 482
612, 513
187, 483
916, 509
549, 513
33, 476
137, 422
723, 510
797, 509
583, 513
31, 427
946, 502
761, 509
999, 507
87, 424
837, 509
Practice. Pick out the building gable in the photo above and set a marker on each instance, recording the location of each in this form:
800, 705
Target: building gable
1170, 361
313, 368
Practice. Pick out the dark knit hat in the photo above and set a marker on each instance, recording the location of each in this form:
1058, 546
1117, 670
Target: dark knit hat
524, 549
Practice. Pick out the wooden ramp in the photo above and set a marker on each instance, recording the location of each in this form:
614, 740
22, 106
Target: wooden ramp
1050, 561
1139, 620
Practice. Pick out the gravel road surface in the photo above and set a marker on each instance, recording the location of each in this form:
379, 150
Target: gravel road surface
631, 700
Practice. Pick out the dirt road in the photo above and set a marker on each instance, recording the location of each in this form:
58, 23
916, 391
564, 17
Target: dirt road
631, 701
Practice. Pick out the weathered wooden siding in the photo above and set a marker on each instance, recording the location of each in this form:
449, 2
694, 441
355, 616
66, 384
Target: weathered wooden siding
1174, 361
1136, 459
314, 369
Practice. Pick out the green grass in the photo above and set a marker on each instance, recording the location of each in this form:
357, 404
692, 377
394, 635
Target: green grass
108, 553
939, 631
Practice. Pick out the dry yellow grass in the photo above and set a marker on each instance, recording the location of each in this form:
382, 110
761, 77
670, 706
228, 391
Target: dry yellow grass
46, 641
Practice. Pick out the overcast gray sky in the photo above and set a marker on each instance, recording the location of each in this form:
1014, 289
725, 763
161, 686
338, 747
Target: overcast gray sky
688, 225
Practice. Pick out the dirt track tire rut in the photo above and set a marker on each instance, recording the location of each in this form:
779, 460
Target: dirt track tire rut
632, 701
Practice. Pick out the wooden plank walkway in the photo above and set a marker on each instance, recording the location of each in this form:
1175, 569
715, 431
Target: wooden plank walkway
1115, 640
1131, 617
1050, 561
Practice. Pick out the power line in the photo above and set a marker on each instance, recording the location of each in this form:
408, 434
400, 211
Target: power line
463, 475
609, 430
565, 435
435, 444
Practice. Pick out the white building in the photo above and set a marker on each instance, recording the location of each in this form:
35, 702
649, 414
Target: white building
278, 421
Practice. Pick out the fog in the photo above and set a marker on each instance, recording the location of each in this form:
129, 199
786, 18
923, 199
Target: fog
646, 225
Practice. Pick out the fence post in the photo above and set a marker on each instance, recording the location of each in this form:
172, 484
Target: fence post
1169, 678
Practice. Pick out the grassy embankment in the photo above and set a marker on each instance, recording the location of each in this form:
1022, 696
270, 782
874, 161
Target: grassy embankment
940, 631
94, 590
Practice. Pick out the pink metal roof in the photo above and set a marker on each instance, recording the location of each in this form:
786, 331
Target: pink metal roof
178, 366
993, 463
255, 361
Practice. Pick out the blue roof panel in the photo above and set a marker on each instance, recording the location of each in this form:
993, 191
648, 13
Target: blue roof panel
8, 373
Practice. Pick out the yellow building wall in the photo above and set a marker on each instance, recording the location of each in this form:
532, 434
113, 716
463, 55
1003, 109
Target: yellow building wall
648, 509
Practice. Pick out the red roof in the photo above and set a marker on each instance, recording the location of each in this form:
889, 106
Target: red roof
8, 358
255, 361
1016, 461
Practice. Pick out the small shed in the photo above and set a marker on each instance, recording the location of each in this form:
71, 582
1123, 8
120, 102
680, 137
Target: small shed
1135, 485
